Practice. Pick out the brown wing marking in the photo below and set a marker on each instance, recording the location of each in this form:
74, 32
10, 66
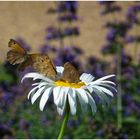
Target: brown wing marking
43, 64
70, 74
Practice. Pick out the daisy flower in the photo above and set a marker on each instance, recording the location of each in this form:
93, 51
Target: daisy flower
64, 91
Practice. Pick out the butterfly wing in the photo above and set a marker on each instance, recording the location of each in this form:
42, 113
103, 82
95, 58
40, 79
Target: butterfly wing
17, 54
28, 62
16, 46
43, 64
40, 62
70, 73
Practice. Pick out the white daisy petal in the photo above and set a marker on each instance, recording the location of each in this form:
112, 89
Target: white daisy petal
92, 103
82, 76
98, 82
86, 78
59, 69
35, 84
36, 76
62, 96
56, 93
89, 88
45, 97
109, 86
103, 97
104, 90
60, 111
105, 77
32, 91
108, 82
83, 94
82, 101
37, 94
42, 84
72, 101
66, 90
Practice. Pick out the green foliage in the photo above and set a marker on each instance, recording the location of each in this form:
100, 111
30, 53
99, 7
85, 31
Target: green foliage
4, 76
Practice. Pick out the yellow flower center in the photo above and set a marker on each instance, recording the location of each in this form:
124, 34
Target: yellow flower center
67, 84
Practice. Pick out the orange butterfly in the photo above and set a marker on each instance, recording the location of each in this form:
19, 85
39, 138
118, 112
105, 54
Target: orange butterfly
40, 62
70, 73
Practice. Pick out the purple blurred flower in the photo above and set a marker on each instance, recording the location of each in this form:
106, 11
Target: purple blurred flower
6, 100
136, 107
126, 59
105, 49
95, 67
131, 14
111, 35
71, 31
132, 39
53, 33
75, 30
69, 6
64, 55
109, 7
70, 17
45, 49
73, 123
117, 29
128, 72
48, 48
68, 31
77, 50
128, 98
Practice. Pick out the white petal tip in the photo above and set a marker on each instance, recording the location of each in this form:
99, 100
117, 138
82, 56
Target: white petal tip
22, 80
41, 109
112, 75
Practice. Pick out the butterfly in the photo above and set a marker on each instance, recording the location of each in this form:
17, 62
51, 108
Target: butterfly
70, 73
40, 62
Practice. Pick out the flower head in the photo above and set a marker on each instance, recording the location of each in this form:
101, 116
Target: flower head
64, 91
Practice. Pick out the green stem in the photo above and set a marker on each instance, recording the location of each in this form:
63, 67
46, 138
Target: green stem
119, 88
64, 123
